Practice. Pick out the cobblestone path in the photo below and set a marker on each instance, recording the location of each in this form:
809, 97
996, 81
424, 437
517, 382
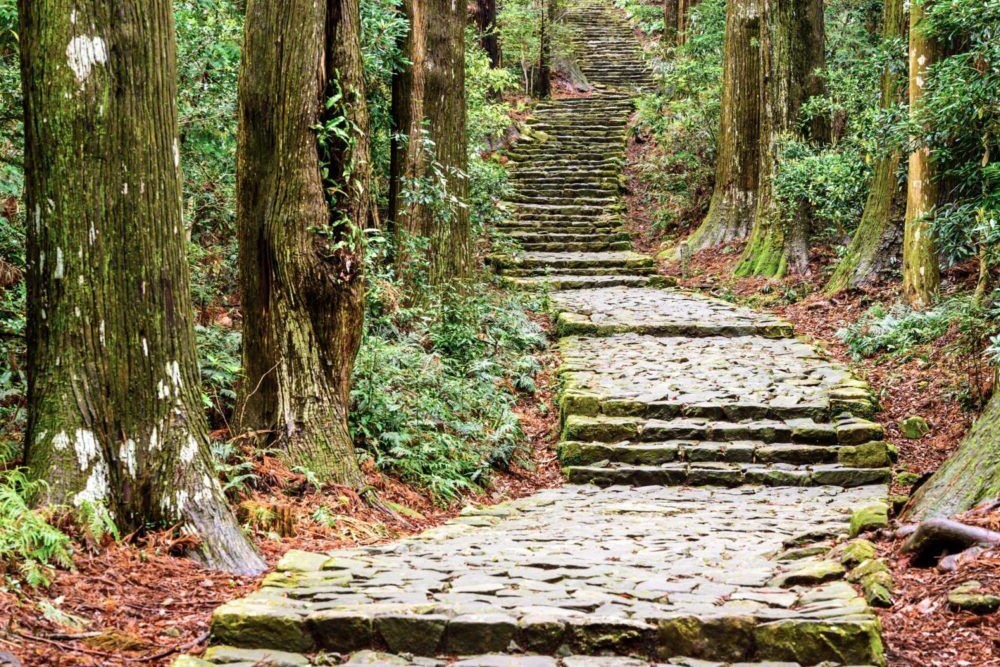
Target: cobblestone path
713, 462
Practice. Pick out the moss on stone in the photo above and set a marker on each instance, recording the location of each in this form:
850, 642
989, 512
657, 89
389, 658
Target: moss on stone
810, 642
868, 455
870, 517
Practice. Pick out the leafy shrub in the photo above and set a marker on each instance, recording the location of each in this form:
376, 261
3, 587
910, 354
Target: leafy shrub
27, 541
219, 352
898, 329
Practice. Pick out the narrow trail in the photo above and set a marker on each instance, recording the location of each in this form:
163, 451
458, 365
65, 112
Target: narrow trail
713, 459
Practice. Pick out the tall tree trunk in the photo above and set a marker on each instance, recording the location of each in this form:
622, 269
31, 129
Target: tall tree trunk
114, 398
486, 22
429, 103
970, 476
671, 23
684, 8
736, 173
791, 50
302, 202
543, 82
921, 273
407, 152
875, 243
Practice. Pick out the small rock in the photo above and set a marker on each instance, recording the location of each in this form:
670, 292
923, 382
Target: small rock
868, 568
968, 598
815, 572
856, 552
871, 517
914, 427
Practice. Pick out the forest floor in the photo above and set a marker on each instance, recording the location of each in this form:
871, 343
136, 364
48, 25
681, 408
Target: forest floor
934, 381
137, 602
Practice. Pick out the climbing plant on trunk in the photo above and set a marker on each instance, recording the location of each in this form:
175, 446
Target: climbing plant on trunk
731, 211
303, 199
871, 250
115, 413
791, 53
921, 273
430, 156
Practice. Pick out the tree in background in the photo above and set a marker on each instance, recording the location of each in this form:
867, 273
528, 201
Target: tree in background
486, 23
671, 23
547, 19
731, 211
684, 8
792, 43
430, 157
303, 202
921, 273
115, 413
870, 251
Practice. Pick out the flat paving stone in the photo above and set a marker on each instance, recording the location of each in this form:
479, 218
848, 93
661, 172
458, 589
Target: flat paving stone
613, 310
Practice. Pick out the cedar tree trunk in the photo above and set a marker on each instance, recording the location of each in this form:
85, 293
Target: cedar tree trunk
486, 23
114, 398
303, 199
921, 273
671, 23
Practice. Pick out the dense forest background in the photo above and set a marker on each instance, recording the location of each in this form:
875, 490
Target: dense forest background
445, 368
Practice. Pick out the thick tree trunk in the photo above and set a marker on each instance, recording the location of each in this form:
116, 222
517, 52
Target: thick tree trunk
921, 273
791, 50
486, 23
115, 415
671, 23
301, 234
730, 214
874, 247
429, 99
543, 82
969, 477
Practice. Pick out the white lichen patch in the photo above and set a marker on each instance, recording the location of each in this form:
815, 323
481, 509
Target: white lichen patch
189, 450
60, 270
174, 371
83, 53
162, 390
86, 447
128, 457
96, 490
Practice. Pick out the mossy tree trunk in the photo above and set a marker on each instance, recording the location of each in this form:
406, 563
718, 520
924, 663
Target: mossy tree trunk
970, 476
671, 23
486, 23
114, 404
731, 211
874, 246
684, 8
792, 37
303, 200
921, 273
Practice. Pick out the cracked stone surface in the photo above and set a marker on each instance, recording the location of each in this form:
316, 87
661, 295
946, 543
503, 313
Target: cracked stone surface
764, 376
612, 310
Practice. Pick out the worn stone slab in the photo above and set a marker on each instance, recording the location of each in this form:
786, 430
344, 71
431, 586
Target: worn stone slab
661, 312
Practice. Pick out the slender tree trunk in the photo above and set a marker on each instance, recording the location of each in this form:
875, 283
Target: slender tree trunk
921, 273
874, 246
543, 83
791, 50
684, 8
407, 157
730, 214
486, 22
115, 415
671, 23
303, 199
429, 106
970, 476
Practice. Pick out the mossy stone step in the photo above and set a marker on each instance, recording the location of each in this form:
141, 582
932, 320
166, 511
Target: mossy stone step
626, 259
694, 451
563, 282
574, 246
726, 475
578, 271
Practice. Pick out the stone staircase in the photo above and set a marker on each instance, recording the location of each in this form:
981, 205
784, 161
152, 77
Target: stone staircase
607, 48
714, 463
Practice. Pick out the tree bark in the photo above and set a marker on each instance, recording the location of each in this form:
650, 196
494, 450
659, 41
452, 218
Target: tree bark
731, 211
791, 51
486, 22
684, 8
543, 82
970, 476
671, 24
115, 415
302, 202
429, 99
921, 273
874, 246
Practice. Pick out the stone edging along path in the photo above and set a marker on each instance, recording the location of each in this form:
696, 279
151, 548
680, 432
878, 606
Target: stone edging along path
714, 461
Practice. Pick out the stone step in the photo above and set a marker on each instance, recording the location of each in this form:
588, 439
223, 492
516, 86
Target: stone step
564, 282
568, 237
575, 260
574, 453
726, 475
546, 270
574, 246
612, 429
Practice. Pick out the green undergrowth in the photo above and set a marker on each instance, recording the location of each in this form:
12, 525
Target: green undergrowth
436, 384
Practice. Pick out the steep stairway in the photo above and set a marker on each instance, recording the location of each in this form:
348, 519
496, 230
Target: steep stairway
714, 461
